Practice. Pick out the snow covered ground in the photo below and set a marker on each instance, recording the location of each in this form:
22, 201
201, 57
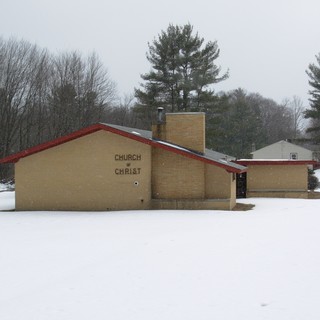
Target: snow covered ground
7, 201
5, 186
173, 265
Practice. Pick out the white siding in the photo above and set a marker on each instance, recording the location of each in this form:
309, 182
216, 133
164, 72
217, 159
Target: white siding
282, 150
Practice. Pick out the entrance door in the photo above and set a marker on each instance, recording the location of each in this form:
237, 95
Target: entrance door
242, 185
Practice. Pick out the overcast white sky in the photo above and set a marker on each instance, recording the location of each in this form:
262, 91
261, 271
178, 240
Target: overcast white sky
266, 44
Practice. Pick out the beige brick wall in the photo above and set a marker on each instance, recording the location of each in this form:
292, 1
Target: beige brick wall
186, 129
91, 173
175, 176
84, 174
277, 178
202, 186
220, 184
279, 194
192, 204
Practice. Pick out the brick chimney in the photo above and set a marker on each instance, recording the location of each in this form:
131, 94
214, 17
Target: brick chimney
184, 129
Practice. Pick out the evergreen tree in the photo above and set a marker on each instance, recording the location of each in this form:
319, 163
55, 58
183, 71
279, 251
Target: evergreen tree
245, 122
240, 126
313, 181
215, 123
314, 112
183, 69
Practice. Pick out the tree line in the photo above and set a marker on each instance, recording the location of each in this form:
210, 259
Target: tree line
45, 96
182, 78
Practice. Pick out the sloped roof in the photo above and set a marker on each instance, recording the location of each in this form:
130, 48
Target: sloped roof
139, 132
143, 136
276, 143
218, 155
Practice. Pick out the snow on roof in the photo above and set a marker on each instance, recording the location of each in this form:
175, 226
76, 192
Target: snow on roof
144, 136
219, 155
209, 155
143, 133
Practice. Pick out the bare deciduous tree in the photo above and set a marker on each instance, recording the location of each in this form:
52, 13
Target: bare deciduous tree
81, 90
43, 96
297, 108
17, 61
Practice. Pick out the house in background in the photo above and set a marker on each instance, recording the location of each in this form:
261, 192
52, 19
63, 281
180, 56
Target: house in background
283, 150
279, 170
108, 167
274, 178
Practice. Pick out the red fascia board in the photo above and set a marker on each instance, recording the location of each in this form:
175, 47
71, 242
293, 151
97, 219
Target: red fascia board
157, 144
83, 132
72, 136
50, 144
275, 162
197, 157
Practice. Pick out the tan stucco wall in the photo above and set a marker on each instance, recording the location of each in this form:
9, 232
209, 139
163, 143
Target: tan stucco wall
80, 175
277, 181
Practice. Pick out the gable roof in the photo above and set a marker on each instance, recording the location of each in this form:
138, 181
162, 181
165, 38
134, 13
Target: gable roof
139, 135
283, 142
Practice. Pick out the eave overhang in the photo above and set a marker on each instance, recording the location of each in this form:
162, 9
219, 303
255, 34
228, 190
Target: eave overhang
134, 136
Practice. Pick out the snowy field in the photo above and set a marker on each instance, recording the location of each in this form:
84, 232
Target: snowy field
156, 265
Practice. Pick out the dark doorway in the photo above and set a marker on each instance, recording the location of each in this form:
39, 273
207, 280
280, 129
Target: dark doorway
242, 185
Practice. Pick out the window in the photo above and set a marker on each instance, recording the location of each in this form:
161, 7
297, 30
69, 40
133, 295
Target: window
293, 156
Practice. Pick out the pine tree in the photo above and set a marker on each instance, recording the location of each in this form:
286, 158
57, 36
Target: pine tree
183, 70
314, 112
241, 125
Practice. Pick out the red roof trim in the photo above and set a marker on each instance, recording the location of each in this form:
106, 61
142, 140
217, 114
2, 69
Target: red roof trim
157, 144
83, 132
197, 157
47, 145
274, 162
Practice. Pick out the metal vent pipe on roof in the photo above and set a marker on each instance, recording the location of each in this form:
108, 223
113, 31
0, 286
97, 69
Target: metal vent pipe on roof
160, 113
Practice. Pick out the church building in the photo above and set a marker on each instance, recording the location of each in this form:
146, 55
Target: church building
109, 167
